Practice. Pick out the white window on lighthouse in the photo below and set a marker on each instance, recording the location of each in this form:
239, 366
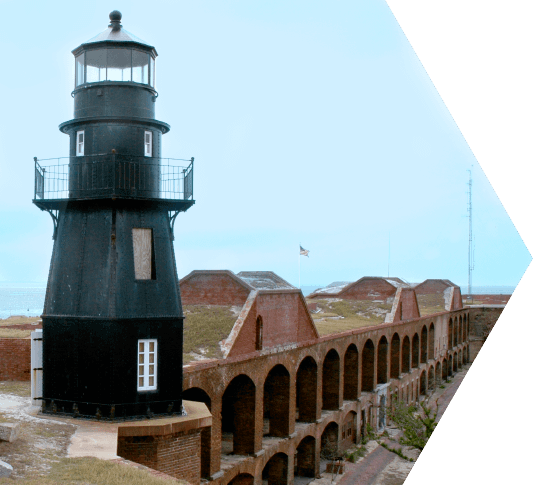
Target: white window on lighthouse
147, 365
147, 143
80, 143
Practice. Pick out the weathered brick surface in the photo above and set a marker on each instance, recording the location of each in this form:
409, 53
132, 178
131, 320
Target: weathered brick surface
15, 356
491, 299
213, 288
176, 454
369, 289
432, 286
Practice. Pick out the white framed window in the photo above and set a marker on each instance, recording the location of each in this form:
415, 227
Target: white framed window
80, 143
147, 143
147, 365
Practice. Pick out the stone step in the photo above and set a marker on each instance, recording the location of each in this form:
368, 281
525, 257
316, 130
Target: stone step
9, 431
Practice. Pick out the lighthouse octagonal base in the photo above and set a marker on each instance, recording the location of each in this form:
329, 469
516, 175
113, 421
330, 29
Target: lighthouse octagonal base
92, 367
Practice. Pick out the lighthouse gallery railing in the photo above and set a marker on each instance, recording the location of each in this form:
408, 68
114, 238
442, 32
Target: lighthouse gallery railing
113, 175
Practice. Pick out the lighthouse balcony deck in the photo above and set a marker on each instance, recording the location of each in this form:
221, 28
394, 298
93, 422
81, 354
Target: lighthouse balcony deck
164, 181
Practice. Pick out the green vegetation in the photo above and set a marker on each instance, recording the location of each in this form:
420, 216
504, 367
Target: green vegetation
355, 453
22, 389
204, 327
416, 421
79, 471
337, 316
428, 304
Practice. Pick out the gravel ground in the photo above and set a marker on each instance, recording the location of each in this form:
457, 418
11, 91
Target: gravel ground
40, 441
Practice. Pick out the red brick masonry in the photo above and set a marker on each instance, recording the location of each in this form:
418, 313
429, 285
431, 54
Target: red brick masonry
15, 356
171, 446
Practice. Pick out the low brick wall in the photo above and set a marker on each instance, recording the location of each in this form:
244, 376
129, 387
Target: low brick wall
15, 359
490, 299
171, 446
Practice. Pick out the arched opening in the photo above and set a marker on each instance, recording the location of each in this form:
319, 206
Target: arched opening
259, 333
306, 391
383, 352
331, 381
238, 416
368, 367
349, 429
406, 355
431, 379
423, 383
455, 362
351, 364
450, 334
455, 332
431, 341
460, 330
275, 471
242, 479
450, 365
465, 360
199, 395
416, 351
276, 402
424, 345
444, 374
460, 359
395, 357
305, 465
329, 442
464, 328
438, 374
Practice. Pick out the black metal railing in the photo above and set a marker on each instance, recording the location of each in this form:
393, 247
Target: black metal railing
114, 174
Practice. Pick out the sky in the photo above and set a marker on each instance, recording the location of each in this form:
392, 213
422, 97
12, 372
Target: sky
310, 124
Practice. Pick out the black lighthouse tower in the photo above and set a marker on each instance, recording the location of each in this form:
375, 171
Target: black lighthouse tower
113, 320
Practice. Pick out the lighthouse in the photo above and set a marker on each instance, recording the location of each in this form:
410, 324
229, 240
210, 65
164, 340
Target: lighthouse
113, 319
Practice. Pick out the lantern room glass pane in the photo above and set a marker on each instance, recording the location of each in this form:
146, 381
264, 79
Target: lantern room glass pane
80, 69
140, 62
96, 65
119, 64
152, 72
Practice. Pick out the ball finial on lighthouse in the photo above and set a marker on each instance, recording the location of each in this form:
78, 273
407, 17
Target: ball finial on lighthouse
115, 16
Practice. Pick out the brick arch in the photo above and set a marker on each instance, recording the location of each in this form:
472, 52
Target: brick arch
305, 461
455, 332
464, 328
431, 341
238, 414
460, 359
383, 352
329, 441
444, 375
424, 345
438, 373
307, 390
331, 381
242, 479
395, 357
276, 398
431, 379
276, 470
367, 379
423, 383
415, 355
351, 373
406, 355
450, 333
455, 362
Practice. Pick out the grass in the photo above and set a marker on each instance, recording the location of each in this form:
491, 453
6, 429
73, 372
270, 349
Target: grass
18, 320
22, 389
204, 327
92, 471
337, 316
14, 333
429, 304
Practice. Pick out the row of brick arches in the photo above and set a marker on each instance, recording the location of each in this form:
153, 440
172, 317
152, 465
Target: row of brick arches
299, 390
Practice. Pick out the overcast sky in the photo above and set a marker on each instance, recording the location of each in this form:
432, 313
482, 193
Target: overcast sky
310, 122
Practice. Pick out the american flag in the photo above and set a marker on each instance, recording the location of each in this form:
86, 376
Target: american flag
304, 252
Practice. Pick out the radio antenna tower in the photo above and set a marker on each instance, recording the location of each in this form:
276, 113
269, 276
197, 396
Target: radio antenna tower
470, 242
